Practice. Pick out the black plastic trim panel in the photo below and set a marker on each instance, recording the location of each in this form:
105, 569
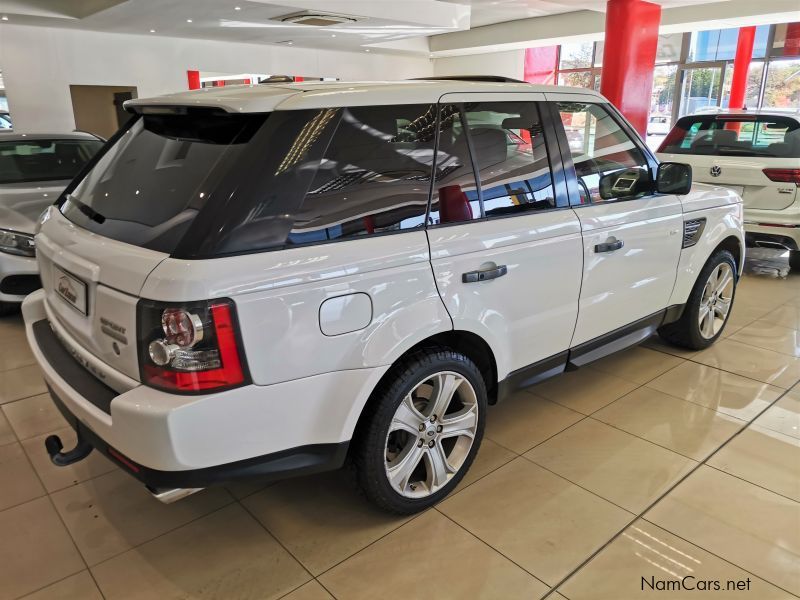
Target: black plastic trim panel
70, 370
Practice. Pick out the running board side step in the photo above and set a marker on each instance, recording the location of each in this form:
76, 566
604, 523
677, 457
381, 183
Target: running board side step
168, 496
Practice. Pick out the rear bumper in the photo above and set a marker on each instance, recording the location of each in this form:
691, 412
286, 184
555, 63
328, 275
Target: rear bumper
19, 276
773, 228
297, 426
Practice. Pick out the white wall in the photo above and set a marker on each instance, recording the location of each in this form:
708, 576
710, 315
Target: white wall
504, 64
39, 64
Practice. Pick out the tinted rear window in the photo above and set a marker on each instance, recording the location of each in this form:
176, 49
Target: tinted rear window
723, 135
149, 186
44, 160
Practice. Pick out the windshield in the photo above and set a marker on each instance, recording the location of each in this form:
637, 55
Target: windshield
735, 135
24, 161
149, 186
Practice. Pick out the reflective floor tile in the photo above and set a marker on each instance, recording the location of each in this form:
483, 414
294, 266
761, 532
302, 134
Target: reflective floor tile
763, 457
763, 365
524, 420
6, 433
21, 383
584, 390
744, 524
784, 415
319, 539
684, 427
309, 591
18, 480
36, 550
114, 512
491, 456
621, 468
637, 364
539, 520
764, 334
226, 554
431, 557
787, 315
76, 587
14, 351
724, 392
649, 562
34, 416
56, 478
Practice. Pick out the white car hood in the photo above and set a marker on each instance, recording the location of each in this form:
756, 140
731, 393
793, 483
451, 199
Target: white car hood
22, 203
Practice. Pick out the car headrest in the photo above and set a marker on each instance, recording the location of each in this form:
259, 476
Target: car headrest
725, 137
454, 205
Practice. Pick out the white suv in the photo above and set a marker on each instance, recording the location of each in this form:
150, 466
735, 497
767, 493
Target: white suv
269, 280
755, 153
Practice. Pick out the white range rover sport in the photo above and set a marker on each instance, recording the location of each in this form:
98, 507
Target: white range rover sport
271, 280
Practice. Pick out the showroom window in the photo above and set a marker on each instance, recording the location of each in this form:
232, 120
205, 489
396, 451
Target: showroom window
608, 164
511, 156
374, 177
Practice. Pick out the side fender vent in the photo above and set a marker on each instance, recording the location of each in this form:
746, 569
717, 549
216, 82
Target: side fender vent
692, 230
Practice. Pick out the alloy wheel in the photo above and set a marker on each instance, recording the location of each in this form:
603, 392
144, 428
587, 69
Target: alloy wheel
715, 303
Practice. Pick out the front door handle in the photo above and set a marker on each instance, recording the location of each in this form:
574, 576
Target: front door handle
484, 275
609, 246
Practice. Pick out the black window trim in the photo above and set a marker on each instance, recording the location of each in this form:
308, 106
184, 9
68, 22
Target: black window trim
569, 165
558, 175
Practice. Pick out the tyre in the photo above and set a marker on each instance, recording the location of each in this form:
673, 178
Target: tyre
420, 431
794, 260
709, 305
9, 308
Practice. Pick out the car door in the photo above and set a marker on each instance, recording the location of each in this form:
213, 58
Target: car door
505, 246
631, 235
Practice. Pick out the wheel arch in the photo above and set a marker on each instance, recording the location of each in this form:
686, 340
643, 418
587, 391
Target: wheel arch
733, 245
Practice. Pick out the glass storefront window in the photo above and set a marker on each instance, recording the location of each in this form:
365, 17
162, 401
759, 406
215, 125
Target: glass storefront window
720, 44
701, 87
669, 48
782, 87
583, 79
576, 56
598, 54
786, 41
754, 76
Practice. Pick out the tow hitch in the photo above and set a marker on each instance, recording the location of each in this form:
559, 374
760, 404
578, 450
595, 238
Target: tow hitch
62, 459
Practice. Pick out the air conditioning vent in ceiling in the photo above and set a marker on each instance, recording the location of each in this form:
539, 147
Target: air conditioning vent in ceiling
316, 19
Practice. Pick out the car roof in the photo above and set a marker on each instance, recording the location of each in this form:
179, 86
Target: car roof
323, 94
73, 135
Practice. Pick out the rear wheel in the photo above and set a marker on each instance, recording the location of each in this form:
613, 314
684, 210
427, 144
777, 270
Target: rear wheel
709, 305
421, 431
794, 260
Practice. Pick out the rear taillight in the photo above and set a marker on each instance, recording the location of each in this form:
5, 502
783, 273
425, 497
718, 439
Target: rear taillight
783, 175
190, 347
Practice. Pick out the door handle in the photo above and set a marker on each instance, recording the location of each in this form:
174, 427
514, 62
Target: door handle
484, 275
609, 246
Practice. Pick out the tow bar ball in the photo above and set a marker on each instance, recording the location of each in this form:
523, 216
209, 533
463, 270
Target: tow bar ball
62, 459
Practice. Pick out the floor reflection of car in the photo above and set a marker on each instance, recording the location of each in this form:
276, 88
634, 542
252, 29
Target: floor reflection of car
755, 153
34, 168
658, 125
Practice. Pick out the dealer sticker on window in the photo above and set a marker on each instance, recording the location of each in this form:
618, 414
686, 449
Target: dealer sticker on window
71, 289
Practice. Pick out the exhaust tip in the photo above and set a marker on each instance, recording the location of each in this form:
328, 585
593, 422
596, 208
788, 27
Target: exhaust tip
168, 496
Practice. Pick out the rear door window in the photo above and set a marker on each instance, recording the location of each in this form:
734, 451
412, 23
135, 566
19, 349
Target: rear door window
735, 135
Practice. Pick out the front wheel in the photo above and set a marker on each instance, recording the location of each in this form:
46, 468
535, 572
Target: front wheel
709, 305
421, 431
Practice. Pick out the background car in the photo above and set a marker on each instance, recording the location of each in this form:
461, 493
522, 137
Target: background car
34, 169
755, 153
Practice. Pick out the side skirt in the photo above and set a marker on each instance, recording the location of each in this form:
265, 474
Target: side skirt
588, 352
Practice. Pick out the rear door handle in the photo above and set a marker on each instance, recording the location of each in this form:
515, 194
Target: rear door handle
609, 246
475, 276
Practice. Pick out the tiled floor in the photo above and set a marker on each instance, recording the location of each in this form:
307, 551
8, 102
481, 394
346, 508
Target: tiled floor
605, 483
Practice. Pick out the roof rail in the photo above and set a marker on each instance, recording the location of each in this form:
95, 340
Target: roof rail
486, 78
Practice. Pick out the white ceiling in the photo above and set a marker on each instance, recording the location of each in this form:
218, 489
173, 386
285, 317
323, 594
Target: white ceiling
382, 25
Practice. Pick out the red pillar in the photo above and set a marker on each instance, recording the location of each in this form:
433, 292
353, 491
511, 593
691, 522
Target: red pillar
741, 65
194, 79
629, 57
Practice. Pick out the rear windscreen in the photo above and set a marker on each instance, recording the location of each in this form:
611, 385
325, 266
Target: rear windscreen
149, 186
735, 135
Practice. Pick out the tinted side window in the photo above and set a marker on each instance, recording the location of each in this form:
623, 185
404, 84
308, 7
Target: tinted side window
374, 177
608, 164
511, 157
455, 192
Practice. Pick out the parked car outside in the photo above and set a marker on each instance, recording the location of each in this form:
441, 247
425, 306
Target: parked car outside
754, 153
272, 280
34, 169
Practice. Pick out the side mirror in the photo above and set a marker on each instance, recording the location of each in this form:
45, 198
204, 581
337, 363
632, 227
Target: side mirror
674, 178
623, 184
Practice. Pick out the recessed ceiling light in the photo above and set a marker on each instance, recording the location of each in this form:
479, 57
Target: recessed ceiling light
366, 50
188, 20
152, 31
333, 35
237, 8
4, 18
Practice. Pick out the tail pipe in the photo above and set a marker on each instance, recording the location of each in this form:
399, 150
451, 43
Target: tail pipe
54, 448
